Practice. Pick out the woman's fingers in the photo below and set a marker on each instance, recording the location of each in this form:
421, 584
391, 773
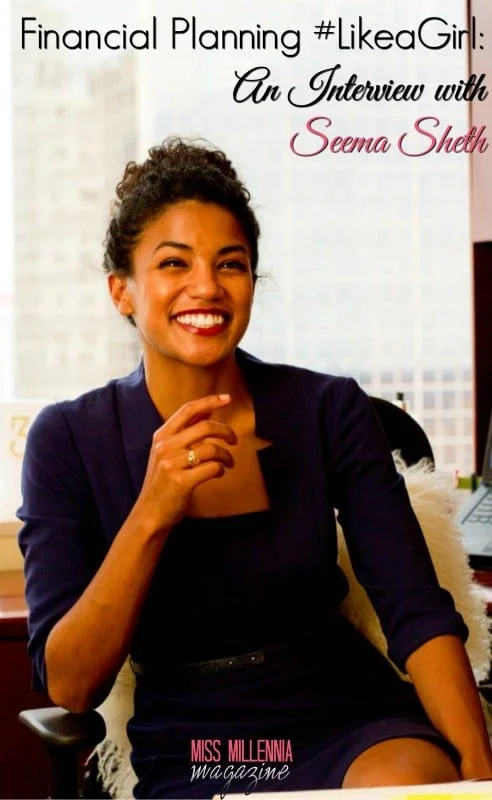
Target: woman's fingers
208, 451
203, 472
191, 423
194, 411
185, 452
206, 429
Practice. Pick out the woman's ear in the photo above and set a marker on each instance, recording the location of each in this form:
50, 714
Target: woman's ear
118, 289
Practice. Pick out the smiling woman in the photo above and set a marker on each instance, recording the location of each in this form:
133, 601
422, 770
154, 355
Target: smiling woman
184, 515
191, 280
181, 256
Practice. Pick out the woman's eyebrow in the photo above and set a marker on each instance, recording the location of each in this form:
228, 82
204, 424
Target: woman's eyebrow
178, 245
230, 248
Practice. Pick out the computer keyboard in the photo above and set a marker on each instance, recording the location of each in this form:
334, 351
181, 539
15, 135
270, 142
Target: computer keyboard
483, 512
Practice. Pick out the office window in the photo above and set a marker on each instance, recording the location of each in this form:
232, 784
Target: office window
358, 251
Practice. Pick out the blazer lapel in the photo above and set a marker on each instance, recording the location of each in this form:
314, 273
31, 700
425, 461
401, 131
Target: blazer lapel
139, 419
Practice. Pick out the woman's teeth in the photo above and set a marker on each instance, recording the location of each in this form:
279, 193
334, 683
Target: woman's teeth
201, 320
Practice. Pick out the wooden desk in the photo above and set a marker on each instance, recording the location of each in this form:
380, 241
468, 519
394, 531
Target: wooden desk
483, 578
23, 761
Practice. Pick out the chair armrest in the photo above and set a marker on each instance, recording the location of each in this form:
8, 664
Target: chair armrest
60, 728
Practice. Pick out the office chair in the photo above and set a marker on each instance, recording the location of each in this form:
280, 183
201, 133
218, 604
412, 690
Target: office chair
67, 735
403, 432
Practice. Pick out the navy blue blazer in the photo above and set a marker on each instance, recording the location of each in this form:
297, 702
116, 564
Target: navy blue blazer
85, 463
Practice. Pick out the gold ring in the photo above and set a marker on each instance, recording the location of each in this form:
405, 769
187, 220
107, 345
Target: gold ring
193, 459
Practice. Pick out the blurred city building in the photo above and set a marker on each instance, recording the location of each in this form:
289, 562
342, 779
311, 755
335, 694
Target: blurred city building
74, 128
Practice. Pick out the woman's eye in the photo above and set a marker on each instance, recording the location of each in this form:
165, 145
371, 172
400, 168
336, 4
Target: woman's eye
172, 262
237, 265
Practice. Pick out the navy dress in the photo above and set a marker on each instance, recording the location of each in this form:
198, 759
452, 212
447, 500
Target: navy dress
229, 586
219, 590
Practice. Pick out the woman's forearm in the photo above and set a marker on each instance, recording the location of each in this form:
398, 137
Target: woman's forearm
88, 645
443, 678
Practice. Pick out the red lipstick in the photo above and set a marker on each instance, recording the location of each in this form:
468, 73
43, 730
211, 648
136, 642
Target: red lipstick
210, 330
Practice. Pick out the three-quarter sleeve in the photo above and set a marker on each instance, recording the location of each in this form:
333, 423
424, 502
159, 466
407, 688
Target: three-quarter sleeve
385, 542
60, 538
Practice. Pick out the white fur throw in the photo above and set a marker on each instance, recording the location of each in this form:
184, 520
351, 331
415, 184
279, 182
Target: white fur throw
433, 499
113, 754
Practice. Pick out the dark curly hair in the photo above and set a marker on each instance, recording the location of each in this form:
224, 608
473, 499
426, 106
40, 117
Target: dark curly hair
176, 170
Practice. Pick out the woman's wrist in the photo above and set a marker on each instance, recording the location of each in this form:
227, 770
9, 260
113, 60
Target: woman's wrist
146, 525
476, 763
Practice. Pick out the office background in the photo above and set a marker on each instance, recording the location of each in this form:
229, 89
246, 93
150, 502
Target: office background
367, 259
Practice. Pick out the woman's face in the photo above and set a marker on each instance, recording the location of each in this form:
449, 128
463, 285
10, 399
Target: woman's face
191, 290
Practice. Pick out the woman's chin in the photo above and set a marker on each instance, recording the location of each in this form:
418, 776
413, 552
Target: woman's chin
207, 355
210, 360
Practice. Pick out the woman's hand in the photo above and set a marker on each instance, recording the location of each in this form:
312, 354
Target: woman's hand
170, 480
476, 766
442, 675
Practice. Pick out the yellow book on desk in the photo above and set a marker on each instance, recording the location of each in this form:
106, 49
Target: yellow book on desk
465, 790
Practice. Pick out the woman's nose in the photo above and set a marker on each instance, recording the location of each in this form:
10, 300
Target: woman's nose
204, 282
